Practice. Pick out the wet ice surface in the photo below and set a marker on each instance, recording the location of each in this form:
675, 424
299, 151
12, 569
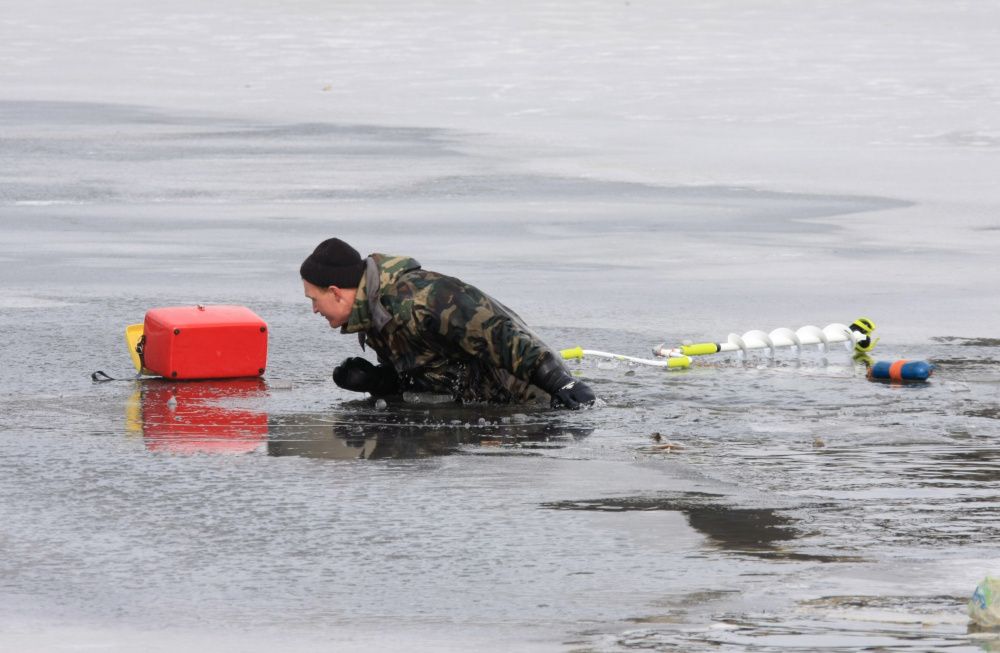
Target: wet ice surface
621, 177
805, 507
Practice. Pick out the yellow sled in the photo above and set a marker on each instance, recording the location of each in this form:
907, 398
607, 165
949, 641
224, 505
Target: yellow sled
133, 334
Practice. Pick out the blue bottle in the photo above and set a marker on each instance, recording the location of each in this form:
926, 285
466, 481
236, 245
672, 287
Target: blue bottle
901, 370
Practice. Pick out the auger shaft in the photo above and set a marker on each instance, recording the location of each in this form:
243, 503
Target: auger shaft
857, 336
579, 353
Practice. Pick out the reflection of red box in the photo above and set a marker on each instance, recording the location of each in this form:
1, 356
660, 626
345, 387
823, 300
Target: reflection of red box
194, 417
204, 342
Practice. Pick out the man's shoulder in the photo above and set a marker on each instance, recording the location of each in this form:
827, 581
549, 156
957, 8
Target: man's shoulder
423, 294
390, 264
424, 288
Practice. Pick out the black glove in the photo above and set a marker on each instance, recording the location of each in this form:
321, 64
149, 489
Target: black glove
566, 391
358, 374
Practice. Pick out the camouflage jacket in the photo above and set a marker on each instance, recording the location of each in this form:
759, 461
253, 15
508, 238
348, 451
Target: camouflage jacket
442, 335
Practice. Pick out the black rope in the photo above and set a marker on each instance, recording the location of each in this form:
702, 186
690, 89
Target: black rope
103, 377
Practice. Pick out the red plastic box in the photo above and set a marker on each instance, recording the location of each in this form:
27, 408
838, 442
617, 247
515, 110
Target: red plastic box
204, 342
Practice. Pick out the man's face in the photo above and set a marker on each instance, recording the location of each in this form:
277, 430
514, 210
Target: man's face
333, 303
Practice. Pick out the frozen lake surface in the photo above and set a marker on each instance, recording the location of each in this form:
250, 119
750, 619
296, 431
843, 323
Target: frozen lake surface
621, 174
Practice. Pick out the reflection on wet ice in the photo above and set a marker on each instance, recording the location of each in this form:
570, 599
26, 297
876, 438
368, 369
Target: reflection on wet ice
191, 416
213, 417
414, 433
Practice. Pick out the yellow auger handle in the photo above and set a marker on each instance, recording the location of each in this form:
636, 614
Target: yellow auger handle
573, 353
865, 327
700, 349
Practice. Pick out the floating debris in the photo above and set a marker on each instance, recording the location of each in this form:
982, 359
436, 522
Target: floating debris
662, 445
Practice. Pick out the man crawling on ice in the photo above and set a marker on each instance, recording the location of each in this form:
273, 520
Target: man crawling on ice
431, 332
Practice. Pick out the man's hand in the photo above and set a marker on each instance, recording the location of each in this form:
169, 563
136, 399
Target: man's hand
360, 375
573, 395
553, 378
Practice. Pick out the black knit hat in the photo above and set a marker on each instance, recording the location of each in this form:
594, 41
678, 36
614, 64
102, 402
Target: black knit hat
333, 263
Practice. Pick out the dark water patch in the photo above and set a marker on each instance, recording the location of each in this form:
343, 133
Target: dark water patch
758, 531
914, 606
958, 364
968, 342
988, 412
